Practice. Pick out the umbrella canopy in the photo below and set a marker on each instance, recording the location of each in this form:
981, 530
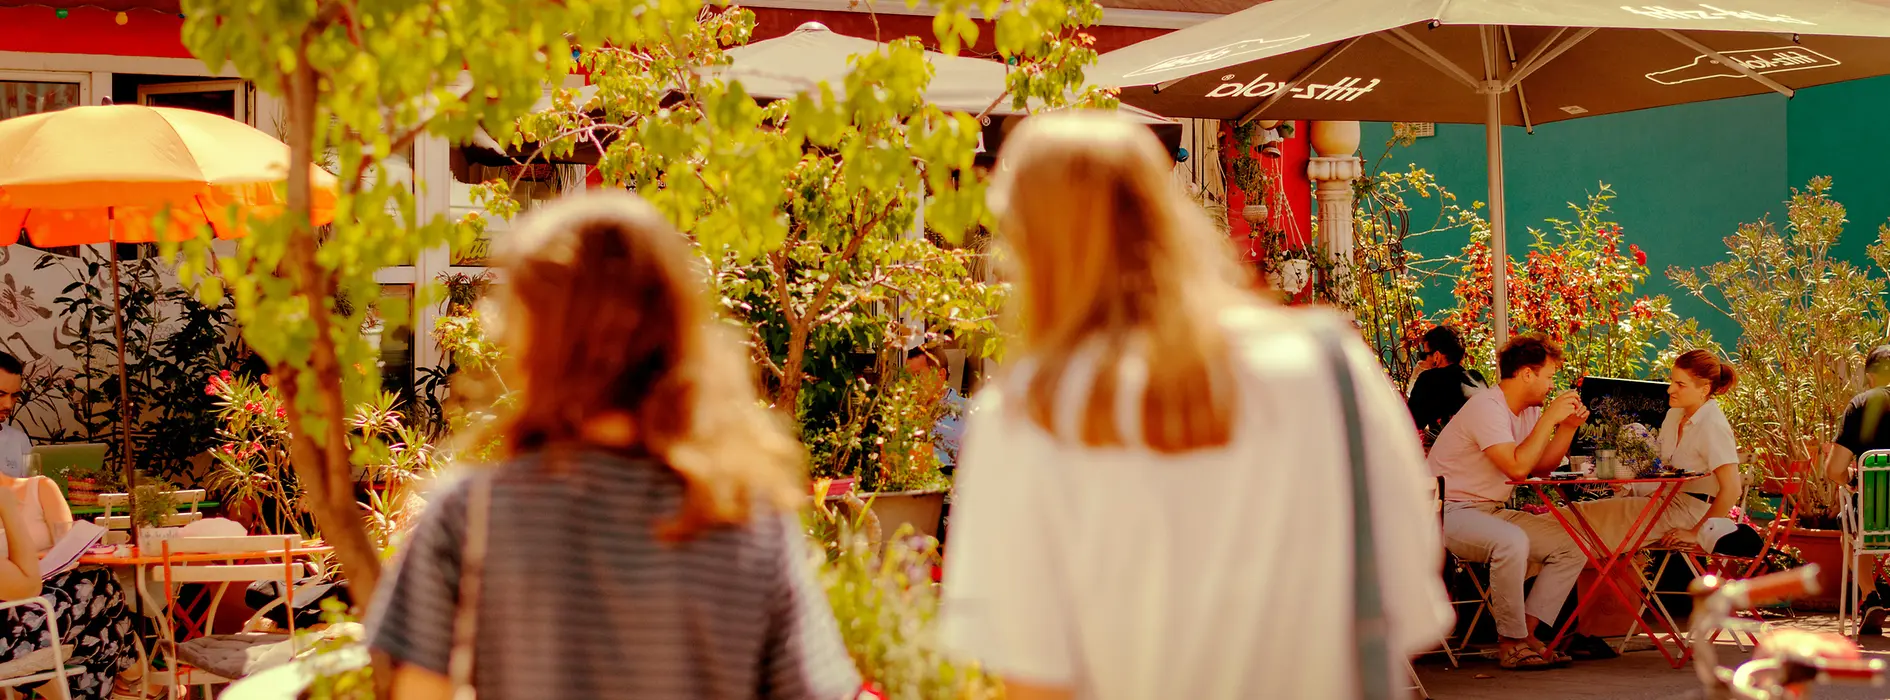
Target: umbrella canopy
100, 174
89, 175
1423, 60
798, 62
1496, 62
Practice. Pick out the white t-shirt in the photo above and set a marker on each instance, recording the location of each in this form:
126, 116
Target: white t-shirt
14, 446
1215, 574
1707, 445
1484, 422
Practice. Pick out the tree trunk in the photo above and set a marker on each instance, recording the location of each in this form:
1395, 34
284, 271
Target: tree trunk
323, 469
791, 375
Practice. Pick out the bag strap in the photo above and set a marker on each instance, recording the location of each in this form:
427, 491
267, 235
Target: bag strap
1369, 624
472, 564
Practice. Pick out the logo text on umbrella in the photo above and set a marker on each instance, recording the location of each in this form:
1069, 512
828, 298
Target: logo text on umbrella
1217, 53
1779, 59
1710, 12
1344, 89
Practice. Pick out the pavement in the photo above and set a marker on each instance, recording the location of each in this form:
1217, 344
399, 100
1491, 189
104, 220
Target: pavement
1640, 674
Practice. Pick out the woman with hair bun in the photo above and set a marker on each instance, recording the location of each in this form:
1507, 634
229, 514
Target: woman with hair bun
1695, 438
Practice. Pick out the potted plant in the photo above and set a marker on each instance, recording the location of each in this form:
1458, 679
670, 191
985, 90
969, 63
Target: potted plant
154, 512
84, 483
1805, 318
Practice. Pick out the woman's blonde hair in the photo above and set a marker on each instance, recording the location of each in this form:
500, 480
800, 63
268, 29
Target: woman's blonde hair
1113, 257
604, 316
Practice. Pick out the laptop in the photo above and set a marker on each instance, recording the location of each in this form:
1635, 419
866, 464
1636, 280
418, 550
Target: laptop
56, 460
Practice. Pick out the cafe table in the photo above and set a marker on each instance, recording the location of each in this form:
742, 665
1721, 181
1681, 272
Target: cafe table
1609, 557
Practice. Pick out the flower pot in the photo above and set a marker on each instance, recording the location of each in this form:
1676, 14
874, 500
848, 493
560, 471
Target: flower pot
1607, 464
1254, 213
919, 509
1292, 276
837, 487
1826, 549
151, 539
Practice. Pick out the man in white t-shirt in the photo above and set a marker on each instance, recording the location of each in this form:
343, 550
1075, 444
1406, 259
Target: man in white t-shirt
14, 445
1500, 435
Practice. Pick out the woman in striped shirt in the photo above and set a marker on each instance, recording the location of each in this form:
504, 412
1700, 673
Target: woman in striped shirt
641, 537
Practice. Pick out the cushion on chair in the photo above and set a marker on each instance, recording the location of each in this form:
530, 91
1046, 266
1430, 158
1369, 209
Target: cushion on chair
36, 662
235, 655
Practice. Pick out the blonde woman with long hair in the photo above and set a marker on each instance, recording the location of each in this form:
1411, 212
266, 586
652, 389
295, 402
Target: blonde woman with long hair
639, 537
1155, 500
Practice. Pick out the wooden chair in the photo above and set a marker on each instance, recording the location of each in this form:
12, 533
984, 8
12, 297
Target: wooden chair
191, 498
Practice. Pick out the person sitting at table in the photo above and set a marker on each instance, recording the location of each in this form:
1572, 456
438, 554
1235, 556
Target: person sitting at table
1501, 435
1695, 438
88, 601
1443, 384
1864, 428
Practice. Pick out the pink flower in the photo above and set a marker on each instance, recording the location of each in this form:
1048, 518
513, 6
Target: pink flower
282, 413
253, 408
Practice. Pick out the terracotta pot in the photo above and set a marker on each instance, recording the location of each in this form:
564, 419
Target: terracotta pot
1824, 548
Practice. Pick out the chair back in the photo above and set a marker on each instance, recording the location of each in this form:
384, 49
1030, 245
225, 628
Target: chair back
1873, 499
262, 558
187, 500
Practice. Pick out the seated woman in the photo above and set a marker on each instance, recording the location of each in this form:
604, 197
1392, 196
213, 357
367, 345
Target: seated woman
89, 603
1695, 438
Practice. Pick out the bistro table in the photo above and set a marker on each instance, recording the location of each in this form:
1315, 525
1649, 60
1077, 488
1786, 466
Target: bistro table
1607, 557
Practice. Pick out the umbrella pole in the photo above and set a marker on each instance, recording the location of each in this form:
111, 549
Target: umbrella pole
1499, 243
124, 396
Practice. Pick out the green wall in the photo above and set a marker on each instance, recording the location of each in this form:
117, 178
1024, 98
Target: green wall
1837, 130
1685, 177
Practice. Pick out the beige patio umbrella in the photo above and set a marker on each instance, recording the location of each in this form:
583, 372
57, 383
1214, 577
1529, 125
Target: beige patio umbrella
797, 62
1494, 62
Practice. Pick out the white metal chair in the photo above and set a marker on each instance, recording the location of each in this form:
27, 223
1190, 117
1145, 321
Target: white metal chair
191, 498
49, 664
1864, 511
279, 550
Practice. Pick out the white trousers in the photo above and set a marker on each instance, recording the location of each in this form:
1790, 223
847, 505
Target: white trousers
1510, 541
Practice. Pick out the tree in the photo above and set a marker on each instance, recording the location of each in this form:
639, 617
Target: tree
361, 80
805, 208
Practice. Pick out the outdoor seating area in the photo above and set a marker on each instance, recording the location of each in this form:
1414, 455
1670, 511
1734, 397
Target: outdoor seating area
1101, 349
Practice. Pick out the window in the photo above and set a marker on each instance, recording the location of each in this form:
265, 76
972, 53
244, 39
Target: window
36, 92
229, 98
533, 185
396, 344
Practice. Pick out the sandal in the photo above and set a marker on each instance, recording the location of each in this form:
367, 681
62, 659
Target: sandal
1523, 658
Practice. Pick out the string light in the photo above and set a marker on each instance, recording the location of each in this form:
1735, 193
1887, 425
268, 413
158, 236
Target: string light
61, 13
121, 19
122, 16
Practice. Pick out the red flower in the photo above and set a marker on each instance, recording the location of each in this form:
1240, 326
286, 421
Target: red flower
211, 389
224, 375
282, 413
1640, 257
229, 449
253, 407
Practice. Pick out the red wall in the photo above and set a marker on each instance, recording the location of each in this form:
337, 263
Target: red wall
92, 30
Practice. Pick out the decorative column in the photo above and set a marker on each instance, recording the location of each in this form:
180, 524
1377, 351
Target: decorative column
1332, 171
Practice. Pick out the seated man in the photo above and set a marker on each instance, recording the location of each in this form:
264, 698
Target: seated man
1503, 434
1862, 430
1443, 384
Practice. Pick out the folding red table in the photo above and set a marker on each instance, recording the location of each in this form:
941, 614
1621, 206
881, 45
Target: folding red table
1606, 557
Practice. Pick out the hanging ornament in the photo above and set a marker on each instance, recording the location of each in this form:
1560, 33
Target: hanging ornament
121, 19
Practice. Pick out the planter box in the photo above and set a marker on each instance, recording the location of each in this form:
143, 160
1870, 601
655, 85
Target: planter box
920, 509
890, 510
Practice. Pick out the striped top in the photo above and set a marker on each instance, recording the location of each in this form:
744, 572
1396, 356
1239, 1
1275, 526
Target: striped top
581, 600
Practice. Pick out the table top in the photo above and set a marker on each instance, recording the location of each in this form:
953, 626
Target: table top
138, 558
1534, 481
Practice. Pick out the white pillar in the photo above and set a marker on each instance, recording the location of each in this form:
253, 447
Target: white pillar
1332, 171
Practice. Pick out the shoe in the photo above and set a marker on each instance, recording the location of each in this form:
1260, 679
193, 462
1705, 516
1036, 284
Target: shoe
1874, 614
1595, 648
